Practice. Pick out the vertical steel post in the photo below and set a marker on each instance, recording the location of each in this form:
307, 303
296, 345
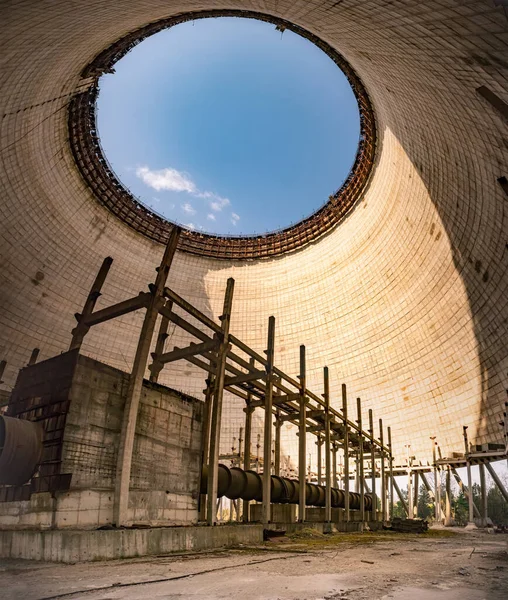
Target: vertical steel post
437, 483
302, 433
130, 413
483, 486
213, 465
373, 469
81, 329
469, 478
205, 439
409, 483
267, 449
383, 474
415, 494
346, 454
247, 443
319, 444
335, 447
391, 470
361, 474
278, 426
448, 500
328, 474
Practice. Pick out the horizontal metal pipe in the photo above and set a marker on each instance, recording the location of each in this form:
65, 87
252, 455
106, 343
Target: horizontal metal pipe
235, 483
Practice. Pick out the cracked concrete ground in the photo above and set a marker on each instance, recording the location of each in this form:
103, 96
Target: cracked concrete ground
383, 565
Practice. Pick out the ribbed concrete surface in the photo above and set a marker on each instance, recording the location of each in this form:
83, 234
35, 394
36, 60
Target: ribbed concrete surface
406, 301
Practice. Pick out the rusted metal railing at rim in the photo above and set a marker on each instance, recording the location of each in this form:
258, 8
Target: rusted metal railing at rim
110, 192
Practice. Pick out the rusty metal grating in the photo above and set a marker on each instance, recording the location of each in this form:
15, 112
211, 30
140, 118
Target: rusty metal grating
100, 178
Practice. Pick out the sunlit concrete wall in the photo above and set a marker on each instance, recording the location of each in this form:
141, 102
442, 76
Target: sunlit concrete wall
406, 301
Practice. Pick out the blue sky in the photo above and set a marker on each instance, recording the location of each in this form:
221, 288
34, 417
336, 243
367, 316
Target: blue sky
225, 126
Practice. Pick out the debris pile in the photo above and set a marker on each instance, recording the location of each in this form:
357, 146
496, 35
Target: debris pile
409, 525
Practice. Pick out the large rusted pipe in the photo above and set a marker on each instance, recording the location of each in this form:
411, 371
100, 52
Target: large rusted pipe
235, 483
20, 449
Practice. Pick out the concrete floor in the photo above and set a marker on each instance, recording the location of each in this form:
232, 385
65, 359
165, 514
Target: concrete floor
466, 566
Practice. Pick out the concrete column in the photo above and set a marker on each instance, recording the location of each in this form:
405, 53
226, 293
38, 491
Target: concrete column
267, 448
469, 478
335, 449
213, 465
373, 470
302, 438
247, 444
130, 414
346, 454
205, 439
383, 474
410, 493
437, 484
360, 473
391, 471
278, 425
319, 444
415, 494
483, 486
448, 499
328, 474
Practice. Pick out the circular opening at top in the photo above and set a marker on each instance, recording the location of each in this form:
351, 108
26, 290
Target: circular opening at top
229, 125
195, 137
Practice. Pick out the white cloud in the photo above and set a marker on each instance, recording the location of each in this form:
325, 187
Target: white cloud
178, 181
188, 209
235, 218
210, 217
190, 225
219, 203
166, 179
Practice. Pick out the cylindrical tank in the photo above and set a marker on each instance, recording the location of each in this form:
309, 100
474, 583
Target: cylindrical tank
20, 449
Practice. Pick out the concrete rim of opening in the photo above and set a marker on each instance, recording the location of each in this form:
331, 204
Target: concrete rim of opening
111, 193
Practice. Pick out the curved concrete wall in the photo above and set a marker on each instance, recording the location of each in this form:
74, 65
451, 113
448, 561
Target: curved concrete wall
406, 301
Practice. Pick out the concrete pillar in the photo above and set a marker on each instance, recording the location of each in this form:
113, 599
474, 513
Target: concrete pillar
383, 474
469, 478
205, 439
373, 470
346, 454
302, 437
391, 471
319, 444
448, 500
437, 484
415, 493
267, 449
278, 425
328, 474
130, 414
361, 475
483, 486
213, 464
247, 444
335, 449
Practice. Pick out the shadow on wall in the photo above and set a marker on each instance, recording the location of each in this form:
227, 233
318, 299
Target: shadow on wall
459, 158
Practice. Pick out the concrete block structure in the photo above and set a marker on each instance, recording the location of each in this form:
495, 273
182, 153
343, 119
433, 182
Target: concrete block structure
79, 403
405, 298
